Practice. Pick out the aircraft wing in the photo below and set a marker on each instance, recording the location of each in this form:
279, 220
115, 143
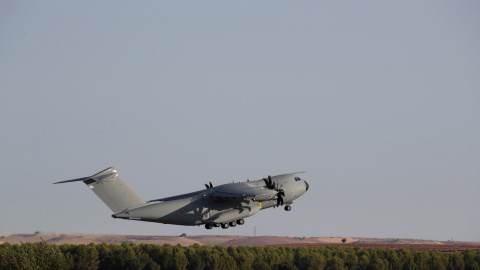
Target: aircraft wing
223, 194
228, 191
178, 197
242, 191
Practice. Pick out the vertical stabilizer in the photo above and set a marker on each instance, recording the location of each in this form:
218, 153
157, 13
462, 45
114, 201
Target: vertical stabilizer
112, 189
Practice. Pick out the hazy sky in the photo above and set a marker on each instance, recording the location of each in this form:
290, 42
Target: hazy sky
378, 101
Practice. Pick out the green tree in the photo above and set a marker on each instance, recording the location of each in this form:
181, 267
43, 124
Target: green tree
421, 259
379, 264
351, 259
335, 263
82, 256
407, 259
180, 259
124, 256
242, 255
472, 260
195, 260
438, 261
32, 256
455, 261
314, 260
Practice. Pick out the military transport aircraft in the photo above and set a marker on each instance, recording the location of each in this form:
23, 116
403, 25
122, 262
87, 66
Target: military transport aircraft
224, 205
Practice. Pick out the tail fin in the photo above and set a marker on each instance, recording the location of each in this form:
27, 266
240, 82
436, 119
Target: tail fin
112, 189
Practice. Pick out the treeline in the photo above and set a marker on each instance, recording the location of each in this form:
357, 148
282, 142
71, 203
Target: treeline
149, 256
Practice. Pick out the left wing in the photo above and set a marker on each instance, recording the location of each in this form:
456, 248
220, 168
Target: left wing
242, 191
223, 194
178, 197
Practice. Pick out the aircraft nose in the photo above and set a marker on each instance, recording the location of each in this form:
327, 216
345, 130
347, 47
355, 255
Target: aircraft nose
306, 185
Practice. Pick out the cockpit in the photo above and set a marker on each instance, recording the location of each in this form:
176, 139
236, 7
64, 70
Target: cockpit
299, 179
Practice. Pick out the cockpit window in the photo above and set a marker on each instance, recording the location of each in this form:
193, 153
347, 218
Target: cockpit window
297, 178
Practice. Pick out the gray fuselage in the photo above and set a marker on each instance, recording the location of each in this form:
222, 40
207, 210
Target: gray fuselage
203, 207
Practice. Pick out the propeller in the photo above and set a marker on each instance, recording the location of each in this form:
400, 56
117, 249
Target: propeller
280, 195
280, 192
207, 186
270, 184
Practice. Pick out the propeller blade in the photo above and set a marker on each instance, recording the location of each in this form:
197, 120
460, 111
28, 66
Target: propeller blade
266, 182
207, 186
279, 200
271, 184
211, 186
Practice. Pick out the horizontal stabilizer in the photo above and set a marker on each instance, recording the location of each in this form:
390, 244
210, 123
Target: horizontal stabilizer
73, 180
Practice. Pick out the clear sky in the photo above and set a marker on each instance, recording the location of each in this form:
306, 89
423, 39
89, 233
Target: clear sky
378, 101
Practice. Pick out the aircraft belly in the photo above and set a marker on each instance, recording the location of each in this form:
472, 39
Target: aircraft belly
268, 204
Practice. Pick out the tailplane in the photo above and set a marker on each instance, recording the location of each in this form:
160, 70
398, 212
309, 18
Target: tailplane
112, 189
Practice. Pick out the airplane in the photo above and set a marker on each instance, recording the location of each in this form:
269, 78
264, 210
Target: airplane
225, 205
